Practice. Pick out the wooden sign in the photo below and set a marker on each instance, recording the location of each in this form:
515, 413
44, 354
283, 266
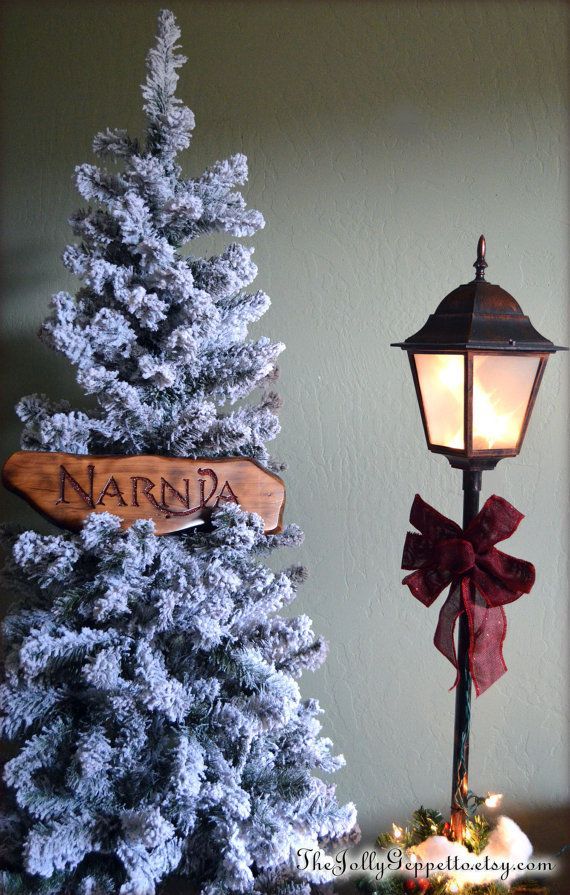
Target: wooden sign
175, 492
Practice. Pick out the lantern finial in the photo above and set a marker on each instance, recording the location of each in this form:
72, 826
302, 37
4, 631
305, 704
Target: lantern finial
480, 263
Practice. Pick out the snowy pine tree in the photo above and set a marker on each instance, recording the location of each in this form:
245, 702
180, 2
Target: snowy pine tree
150, 684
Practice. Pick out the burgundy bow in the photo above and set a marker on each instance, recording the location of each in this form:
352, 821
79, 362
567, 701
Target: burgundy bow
482, 580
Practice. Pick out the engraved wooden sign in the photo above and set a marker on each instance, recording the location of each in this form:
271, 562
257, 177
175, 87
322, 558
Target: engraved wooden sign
175, 492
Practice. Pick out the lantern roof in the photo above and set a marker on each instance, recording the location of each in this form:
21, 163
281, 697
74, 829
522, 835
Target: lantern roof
478, 315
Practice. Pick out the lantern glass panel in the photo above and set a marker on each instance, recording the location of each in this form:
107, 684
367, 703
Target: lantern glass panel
442, 378
502, 386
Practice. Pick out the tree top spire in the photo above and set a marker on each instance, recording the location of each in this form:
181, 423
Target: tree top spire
170, 122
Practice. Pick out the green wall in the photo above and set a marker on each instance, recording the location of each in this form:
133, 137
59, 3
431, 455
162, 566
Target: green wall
383, 138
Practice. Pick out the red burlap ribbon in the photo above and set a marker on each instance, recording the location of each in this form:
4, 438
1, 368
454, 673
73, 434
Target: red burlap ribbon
482, 578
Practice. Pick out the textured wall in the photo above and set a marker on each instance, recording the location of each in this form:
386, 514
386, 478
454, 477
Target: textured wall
383, 137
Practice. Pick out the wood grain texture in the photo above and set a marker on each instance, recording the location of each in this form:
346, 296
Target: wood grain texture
175, 492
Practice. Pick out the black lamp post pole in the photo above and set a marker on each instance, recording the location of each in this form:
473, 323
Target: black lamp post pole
459, 783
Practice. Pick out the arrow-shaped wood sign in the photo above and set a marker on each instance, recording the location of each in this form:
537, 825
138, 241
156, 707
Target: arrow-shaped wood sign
175, 492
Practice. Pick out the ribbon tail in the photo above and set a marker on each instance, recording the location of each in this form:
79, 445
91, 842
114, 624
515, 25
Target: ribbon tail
444, 638
487, 632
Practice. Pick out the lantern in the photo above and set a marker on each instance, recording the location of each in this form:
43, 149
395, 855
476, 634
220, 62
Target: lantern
477, 365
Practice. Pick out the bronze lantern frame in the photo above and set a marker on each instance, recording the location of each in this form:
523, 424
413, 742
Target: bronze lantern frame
470, 457
476, 319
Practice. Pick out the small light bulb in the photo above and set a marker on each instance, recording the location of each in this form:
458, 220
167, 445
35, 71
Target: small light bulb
494, 799
453, 887
396, 831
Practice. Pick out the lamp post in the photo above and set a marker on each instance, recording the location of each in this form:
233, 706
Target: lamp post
477, 365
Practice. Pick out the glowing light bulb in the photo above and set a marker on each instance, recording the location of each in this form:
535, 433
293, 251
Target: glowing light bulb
494, 799
502, 388
453, 887
450, 372
441, 379
396, 831
490, 426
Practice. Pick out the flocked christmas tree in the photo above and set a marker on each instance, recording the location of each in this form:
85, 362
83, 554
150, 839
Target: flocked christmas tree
150, 683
